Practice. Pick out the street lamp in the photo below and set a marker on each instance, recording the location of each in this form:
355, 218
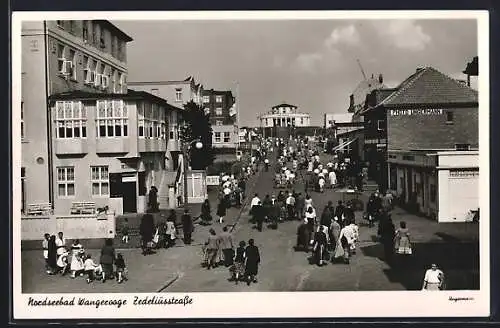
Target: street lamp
185, 150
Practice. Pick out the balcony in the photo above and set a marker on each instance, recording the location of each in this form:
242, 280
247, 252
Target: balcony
72, 146
112, 145
152, 145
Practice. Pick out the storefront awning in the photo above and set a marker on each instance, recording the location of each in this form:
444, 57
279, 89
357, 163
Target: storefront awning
344, 144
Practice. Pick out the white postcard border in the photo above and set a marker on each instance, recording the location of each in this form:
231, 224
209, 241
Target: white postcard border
263, 304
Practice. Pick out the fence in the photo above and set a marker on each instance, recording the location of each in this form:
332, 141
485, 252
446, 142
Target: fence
73, 226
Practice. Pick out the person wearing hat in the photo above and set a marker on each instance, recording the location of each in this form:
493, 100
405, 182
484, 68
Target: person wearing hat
433, 279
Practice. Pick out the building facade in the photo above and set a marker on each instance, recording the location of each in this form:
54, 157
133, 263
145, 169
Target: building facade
176, 93
430, 125
110, 146
282, 120
62, 56
220, 106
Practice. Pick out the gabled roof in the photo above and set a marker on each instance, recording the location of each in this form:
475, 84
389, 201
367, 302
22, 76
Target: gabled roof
429, 86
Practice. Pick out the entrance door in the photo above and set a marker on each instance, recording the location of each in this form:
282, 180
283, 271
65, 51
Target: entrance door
129, 197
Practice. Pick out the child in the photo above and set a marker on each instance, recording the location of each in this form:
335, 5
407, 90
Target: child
120, 268
91, 268
125, 230
62, 262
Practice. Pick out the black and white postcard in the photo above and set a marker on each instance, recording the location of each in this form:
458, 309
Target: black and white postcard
250, 164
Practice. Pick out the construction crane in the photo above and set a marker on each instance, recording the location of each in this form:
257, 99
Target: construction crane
361, 68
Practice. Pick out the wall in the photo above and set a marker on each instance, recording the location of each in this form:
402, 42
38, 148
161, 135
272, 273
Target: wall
432, 131
225, 105
34, 147
233, 141
167, 91
73, 226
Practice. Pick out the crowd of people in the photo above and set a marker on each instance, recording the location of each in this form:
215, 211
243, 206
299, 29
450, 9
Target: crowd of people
61, 259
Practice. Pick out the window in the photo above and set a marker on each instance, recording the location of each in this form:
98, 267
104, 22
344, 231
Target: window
97, 75
206, 99
105, 76
66, 181
171, 135
72, 27
207, 110
218, 111
60, 24
155, 91
227, 137
85, 31
112, 119
217, 136
100, 180
152, 122
122, 85
71, 119
141, 119
121, 54
218, 99
71, 69
61, 59
88, 71
22, 120
178, 94
218, 122
449, 117
380, 125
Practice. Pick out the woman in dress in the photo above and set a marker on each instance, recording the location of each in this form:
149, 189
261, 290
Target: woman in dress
107, 259
238, 268
77, 253
308, 202
311, 222
170, 233
211, 247
221, 210
402, 243
252, 261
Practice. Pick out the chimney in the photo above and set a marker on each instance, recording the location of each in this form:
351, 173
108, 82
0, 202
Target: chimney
380, 79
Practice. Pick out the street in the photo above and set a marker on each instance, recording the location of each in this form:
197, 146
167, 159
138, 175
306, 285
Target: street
454, 247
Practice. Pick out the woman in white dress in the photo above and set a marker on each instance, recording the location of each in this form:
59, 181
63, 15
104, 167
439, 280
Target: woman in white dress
77, 252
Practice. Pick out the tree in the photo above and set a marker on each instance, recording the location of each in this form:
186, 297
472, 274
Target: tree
197, 127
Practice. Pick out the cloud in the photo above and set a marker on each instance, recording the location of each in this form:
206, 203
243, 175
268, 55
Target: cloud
343, 35
403, 34
308, 61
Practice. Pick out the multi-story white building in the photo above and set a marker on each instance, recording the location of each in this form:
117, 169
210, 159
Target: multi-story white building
111, 146
285, 115
62, 56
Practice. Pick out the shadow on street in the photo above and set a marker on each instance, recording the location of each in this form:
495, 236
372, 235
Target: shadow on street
458, 260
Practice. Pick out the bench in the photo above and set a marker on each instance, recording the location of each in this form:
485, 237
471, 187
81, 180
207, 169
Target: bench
39, 209
83, 208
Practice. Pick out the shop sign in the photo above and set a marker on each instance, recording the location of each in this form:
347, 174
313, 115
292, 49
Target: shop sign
212, 180
464, 174
410, 112
375, 141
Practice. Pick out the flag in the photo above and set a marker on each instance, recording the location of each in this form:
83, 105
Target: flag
232, 110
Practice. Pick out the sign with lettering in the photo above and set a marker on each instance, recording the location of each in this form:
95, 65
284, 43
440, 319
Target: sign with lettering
213, 180
410, 112
464, 174
375, 141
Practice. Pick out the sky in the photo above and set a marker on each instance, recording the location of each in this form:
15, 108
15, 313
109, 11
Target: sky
308, 63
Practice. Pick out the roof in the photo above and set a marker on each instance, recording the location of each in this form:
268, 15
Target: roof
130, 95
284, 105
115, 30
429, 86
